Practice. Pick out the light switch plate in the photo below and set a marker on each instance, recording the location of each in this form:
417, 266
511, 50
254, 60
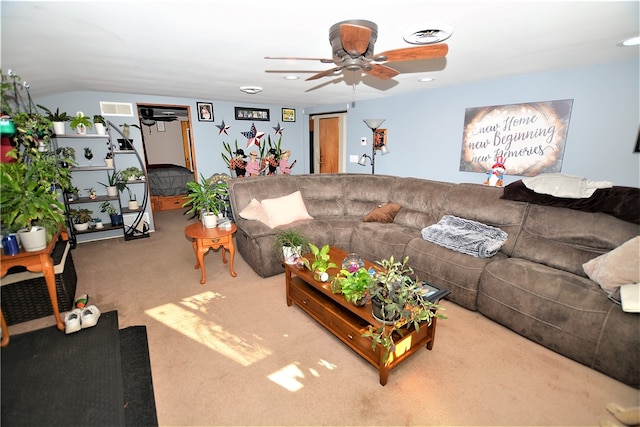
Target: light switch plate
353, 158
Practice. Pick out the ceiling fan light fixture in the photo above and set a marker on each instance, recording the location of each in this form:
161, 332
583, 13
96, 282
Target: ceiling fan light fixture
428, 33
426, 79
291, 77
148, 122
631, 41
252, 90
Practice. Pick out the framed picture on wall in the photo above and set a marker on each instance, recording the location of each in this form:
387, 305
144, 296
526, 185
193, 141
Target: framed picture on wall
243, 113
380, 139
205, 111
288, 115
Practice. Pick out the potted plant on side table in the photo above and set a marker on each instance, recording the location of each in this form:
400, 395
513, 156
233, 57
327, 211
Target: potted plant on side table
207, 200
290, 245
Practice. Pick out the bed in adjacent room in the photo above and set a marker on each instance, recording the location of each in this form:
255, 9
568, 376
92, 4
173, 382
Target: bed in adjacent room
168, 185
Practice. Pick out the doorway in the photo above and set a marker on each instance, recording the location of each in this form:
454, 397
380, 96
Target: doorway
166, 135
328, 152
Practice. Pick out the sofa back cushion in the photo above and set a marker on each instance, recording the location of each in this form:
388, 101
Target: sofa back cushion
323, 193
243, 190
364, 193
421, 201
482, 203
565, 238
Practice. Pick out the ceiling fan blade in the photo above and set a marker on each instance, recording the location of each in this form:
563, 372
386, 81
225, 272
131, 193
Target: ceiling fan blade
165, 118
413, 53
325, 73
382, 72
295, 58
355, 38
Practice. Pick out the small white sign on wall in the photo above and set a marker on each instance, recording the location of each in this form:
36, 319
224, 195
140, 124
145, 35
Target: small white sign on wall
160, 126
530, 137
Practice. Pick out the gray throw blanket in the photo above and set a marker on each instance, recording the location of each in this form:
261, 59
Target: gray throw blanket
466, 236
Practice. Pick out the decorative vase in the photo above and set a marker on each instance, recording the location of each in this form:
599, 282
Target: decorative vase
81, 129
109, 163
112, 191
209, 220
116, 219
291, 255
34, 240
100, 129
321, 276
379, 313
352, 263
81, 227
133, 205
58, 128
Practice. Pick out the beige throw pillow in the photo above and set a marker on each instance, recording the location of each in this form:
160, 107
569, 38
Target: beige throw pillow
286, 209
255, 211
619, 267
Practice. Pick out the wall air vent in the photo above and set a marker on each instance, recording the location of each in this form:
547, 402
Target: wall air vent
116, 108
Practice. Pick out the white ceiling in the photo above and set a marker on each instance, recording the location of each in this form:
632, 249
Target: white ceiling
207, 49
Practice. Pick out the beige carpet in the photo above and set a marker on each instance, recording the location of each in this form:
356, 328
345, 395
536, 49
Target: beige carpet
230, 352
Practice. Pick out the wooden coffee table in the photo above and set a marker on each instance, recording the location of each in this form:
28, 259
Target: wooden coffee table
348, 322
204, 239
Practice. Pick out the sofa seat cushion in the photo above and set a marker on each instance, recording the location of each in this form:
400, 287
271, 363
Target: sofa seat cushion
374, 241
561, 311
448, 269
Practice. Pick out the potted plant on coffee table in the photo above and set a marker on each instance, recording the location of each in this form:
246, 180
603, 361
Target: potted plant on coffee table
354, 285
398, 302
206, 199
321, 262
290, 244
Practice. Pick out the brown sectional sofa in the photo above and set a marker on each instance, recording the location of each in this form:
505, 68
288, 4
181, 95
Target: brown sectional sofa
535, 285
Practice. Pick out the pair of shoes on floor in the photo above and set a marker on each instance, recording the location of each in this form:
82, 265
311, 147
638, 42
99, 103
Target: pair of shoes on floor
81, 319
627, 416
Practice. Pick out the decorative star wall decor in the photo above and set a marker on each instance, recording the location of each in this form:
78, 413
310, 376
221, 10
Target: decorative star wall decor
278, 129
253, 136
223, 128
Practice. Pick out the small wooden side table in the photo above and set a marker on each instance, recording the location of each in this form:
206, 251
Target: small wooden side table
38, 262
204, 239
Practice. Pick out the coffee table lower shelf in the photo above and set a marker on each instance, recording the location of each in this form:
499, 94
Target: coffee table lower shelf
348, 323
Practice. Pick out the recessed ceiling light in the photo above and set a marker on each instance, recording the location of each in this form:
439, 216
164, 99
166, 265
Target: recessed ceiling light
252, 90
291, 77
426, 79
633, 41
428, 33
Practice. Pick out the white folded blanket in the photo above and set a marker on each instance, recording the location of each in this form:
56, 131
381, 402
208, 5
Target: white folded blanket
466, 236
563, 185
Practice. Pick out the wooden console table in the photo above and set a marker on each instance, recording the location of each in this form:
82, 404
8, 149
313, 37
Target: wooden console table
37, 262
204, 239
348, 322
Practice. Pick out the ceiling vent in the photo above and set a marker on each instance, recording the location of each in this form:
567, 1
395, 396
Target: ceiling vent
428, 33
116, 109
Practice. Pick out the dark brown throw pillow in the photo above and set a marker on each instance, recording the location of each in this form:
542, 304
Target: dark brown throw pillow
384, 213
621, 202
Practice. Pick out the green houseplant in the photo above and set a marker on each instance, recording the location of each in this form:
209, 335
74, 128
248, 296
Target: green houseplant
397, 302
57, 119
100, 123
114, 183
107, 207
321, 262
206, 199
67, 156
131, 174
290, 244
81, 218
354, 285
80, 123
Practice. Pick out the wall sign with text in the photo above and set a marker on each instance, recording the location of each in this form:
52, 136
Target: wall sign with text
530, 137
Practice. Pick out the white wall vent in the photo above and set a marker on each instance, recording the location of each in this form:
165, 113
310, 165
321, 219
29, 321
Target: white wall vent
116, 108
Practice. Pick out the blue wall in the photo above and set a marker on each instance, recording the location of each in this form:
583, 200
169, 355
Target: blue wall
425, 128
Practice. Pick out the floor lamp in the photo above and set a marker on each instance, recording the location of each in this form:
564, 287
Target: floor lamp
373, 124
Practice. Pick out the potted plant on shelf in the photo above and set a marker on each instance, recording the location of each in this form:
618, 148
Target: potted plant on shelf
321, 262
125, 144
398, 302
68, 156
100, 123
133, 202
131, 173
116, 218
290, 244
57, 119
80, 123
206, 199
80, 218
108, 159
114, 183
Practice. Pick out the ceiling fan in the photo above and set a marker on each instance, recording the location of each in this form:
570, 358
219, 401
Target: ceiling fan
352, 44
148, 118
